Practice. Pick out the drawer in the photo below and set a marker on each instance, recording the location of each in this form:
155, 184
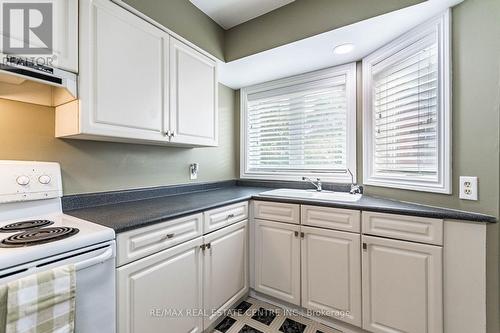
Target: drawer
139, 243
277, 211
220, 217
331, 218
417, 229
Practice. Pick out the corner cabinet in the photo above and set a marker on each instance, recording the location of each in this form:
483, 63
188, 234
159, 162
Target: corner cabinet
138, 84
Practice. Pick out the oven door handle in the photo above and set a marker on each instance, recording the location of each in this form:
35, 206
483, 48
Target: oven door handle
94, 261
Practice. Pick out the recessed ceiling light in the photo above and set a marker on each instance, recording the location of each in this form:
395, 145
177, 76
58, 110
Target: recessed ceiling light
343, 48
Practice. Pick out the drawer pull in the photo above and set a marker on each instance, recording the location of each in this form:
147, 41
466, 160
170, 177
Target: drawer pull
168, 236
230, 216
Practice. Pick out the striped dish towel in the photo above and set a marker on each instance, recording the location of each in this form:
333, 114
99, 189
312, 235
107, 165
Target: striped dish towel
43, 302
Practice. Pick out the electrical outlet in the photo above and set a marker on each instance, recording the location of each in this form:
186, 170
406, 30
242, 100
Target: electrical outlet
468, 188
193, 171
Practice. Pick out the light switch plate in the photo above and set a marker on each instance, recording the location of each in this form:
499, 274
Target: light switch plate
468, 188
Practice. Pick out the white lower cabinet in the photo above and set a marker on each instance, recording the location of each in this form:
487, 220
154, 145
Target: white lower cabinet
185, 288
154, 290
380, 284
277, 260
402, 286
225, 278
331, 273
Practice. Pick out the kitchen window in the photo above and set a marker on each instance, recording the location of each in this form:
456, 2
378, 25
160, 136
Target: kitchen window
301, 126
406, 103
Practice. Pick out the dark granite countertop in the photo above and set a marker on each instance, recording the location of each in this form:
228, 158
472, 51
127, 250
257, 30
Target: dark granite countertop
130, 215
124, 216
375, 204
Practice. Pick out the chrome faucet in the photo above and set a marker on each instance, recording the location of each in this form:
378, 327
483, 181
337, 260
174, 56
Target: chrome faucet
316, 183
355, 189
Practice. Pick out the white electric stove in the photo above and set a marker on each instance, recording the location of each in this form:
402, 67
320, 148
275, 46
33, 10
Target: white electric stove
35, 235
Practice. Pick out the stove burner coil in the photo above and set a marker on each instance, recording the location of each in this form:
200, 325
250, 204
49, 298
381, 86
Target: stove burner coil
25, 225
38, 236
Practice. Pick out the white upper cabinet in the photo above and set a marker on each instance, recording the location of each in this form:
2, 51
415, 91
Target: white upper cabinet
64, 31
193, 99
137, 84
123, 81
65, 34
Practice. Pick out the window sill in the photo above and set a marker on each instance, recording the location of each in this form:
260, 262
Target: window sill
412, 186
330, 178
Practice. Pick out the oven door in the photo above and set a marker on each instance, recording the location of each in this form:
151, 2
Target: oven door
95, 284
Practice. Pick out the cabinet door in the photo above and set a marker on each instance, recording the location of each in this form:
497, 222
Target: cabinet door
225, 269
402, 286
123, 74
154, 293
331, 273
66, 34
64, 31
277, 260
193, 108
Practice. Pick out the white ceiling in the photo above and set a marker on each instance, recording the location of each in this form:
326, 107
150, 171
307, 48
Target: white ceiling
317, 52
229, 13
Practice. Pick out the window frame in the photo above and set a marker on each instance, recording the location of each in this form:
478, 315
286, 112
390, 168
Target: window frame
441, 25
349, 70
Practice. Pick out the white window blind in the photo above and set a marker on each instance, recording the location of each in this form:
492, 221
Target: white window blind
300, 126
405, 102
298, 129
406, 105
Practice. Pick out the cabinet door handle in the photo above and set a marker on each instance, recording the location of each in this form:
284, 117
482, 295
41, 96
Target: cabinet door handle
167, 134
365, 247
173, 133
301, 235
208, 246
202, 247
168, 236
296, 233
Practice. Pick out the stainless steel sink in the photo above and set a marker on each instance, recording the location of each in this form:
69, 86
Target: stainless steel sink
312, 194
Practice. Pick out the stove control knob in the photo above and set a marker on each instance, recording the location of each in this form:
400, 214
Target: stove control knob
44, 179
23, 180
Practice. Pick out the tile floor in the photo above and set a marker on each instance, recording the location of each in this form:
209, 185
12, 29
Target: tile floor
254, 316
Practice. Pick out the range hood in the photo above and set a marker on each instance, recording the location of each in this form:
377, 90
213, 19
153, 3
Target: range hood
26, 81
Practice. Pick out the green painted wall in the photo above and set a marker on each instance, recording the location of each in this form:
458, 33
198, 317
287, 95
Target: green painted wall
27, 133
185, 19
299, 20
